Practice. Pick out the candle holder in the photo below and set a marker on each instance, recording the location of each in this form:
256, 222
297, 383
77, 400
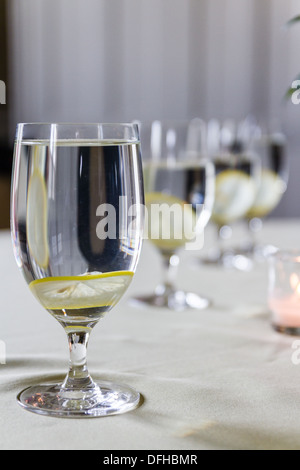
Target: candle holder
284, 291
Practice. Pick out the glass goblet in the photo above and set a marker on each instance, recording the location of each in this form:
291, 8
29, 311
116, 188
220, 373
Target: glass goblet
76, 245
237, 170
179, 191
273, 182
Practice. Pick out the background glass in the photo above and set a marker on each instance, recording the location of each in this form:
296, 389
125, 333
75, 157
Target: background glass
76, 244
237, 167
177, 176
271, 149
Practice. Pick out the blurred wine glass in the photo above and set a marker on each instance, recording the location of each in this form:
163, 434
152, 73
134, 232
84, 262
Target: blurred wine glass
271, 149
179, 190
237, 167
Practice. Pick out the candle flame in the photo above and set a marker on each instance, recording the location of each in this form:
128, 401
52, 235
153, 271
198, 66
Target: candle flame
295, 283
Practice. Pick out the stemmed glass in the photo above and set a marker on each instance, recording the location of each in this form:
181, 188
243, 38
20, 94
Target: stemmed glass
77, 242
271, 149
179, 191
237, 173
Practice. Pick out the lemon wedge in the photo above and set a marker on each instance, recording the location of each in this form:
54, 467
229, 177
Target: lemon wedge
234, 195
36, 217
81, 292
268, 195
172, 223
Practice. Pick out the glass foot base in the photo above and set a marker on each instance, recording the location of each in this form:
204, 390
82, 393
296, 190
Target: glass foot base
257, 252
287, 330
174, 300
105, 399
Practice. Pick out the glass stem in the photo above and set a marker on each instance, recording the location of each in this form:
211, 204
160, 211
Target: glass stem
171, 263
224, 234
219, 240
254, 227
78, 377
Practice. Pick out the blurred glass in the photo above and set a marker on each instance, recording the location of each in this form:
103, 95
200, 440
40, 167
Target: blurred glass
273, 182
237, 167
179, 188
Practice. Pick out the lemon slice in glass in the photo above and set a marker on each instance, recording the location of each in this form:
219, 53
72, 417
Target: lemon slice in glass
36, 220
234, 195
81, 292
171, 223
269, 194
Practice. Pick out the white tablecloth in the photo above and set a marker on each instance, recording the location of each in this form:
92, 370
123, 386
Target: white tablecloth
214, 379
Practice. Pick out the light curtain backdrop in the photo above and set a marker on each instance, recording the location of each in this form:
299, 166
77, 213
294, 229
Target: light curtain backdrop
118, 60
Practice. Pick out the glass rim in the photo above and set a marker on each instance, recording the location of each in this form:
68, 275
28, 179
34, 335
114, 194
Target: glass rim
67, 123
36, 131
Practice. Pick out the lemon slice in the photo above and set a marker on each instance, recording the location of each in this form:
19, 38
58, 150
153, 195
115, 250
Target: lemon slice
171, 223
269, 194
36, 218
234, 195
79, 292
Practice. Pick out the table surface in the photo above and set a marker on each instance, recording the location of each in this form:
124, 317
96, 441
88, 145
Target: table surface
214, 379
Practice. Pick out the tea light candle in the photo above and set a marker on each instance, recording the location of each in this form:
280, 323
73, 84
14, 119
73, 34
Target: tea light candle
286, 311
284, 291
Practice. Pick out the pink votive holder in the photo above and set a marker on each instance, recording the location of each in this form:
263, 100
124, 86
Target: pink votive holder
284, 291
